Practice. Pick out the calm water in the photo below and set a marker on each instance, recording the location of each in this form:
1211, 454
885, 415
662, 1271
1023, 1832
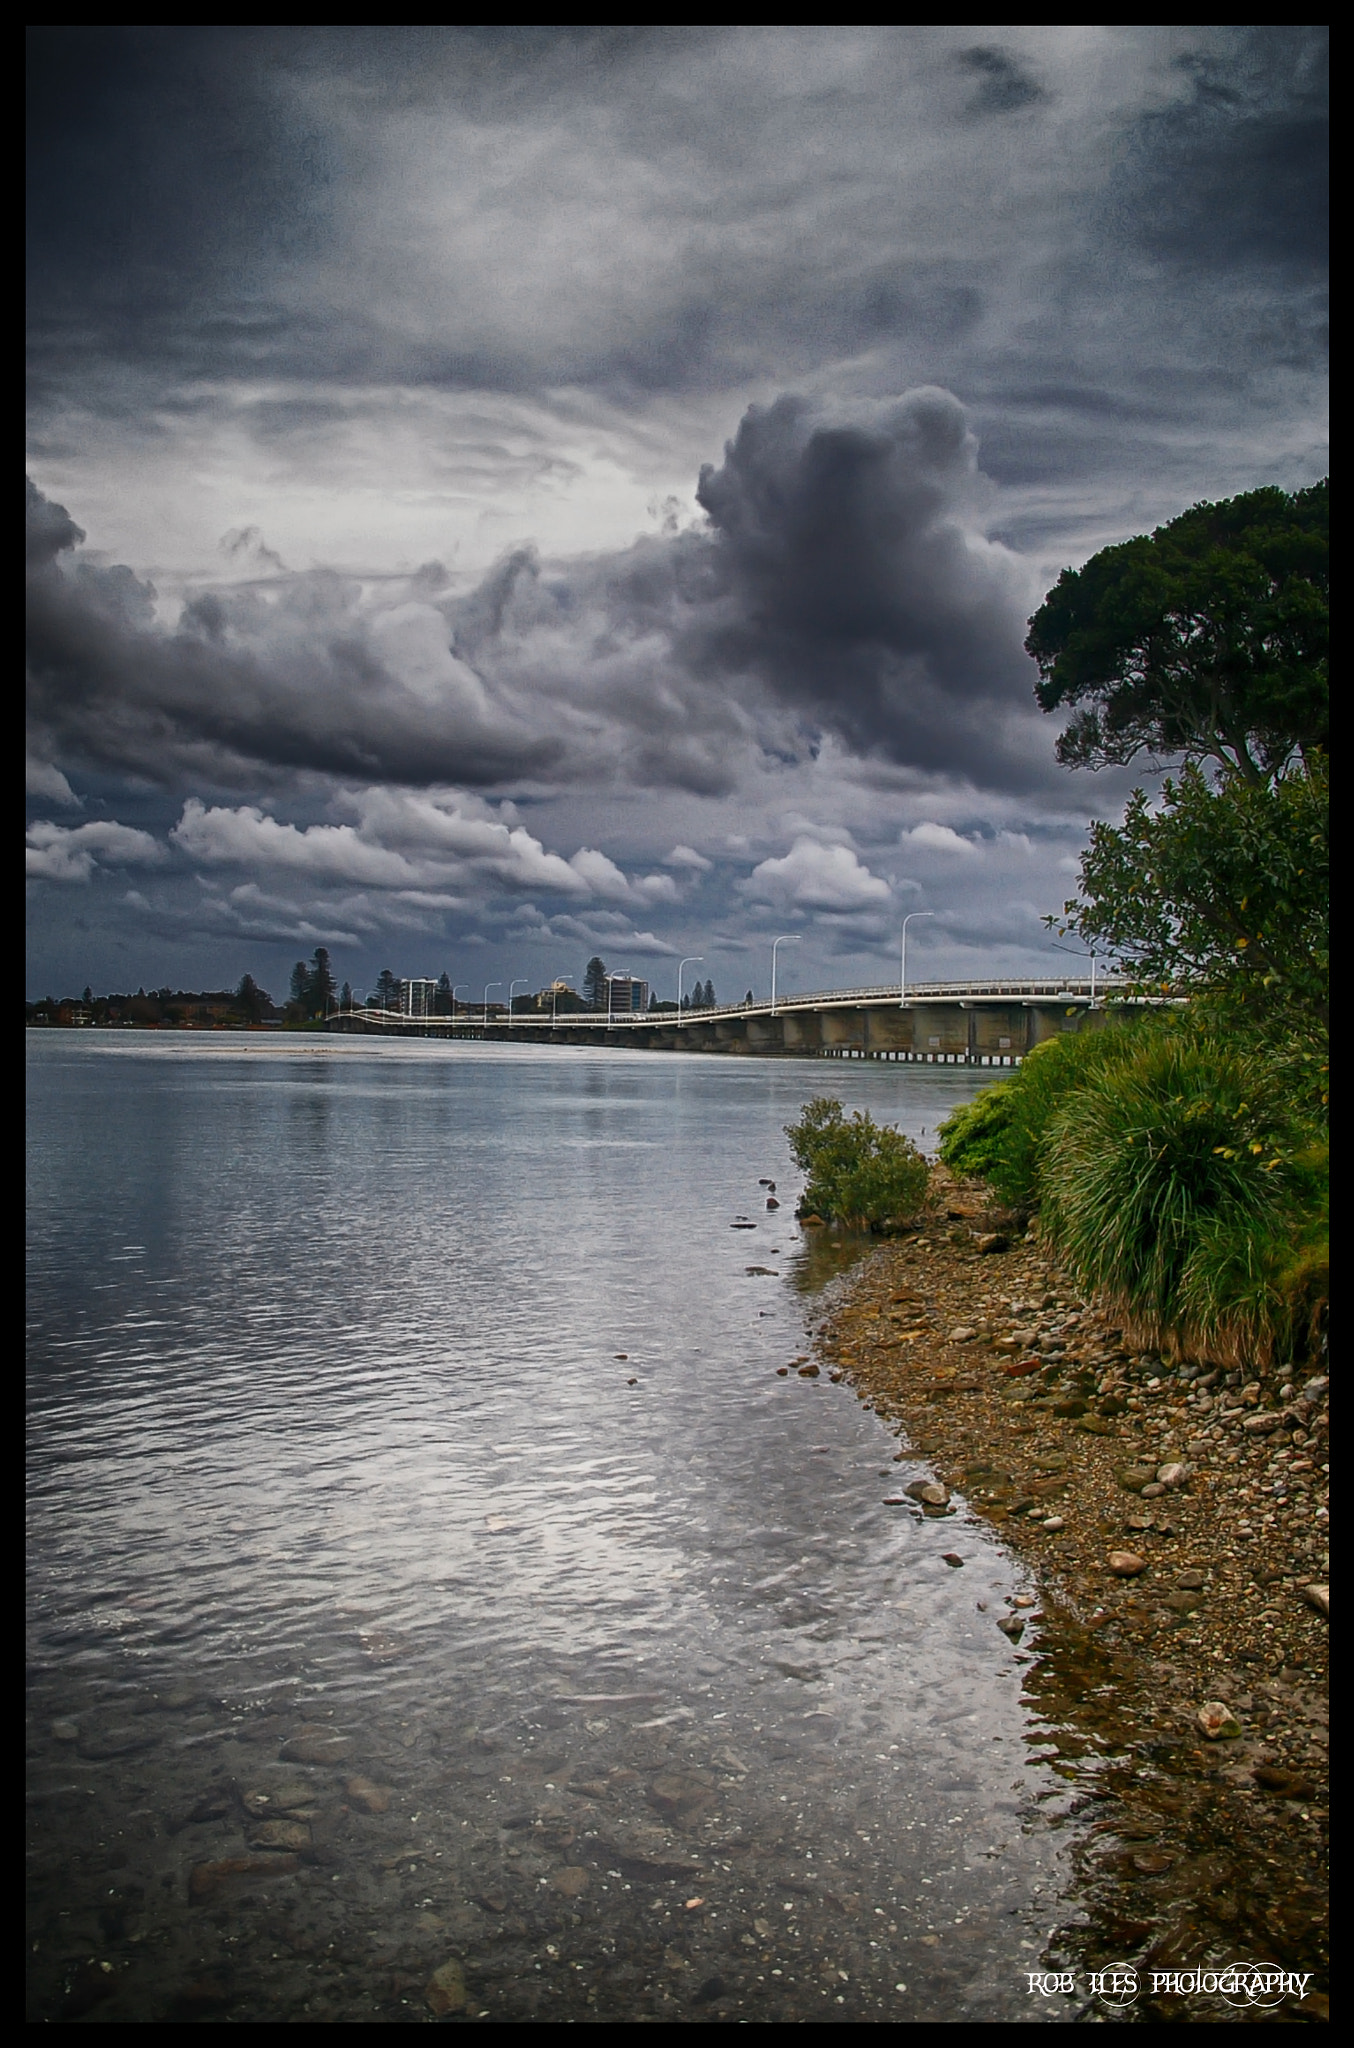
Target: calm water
416, 1516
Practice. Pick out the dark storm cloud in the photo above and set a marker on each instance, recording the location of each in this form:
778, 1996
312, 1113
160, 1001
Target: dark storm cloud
643, 210
1005, 86
1235, 176
858, 584
243, 684
843, 585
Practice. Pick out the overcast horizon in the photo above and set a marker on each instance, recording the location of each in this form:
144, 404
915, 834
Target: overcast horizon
503, 496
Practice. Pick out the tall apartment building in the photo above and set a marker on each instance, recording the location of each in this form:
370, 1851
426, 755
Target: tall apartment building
418, 998
625, 995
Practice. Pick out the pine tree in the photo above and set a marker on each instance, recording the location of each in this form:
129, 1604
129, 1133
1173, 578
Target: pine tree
321, 990
387, 990
442, 1003
709, 995
346, 999
299, 992
594, 983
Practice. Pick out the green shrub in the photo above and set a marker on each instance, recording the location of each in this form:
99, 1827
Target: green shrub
972, 1136
1003, 1133
1172, 1185
859, 1172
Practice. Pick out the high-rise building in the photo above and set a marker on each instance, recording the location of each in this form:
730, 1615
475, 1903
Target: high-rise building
418, 998
626, 995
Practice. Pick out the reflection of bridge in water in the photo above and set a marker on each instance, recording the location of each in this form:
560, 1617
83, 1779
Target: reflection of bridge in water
941, 1023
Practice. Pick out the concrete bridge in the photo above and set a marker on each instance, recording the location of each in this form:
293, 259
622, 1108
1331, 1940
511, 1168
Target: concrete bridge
941, 1023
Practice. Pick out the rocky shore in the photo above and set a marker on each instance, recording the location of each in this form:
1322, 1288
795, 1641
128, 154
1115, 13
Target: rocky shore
1175, 1515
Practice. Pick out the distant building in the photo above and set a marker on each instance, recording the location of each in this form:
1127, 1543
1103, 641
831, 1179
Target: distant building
418, 998
625, 995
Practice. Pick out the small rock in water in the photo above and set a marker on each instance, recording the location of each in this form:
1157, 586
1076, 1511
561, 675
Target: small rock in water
279, 1834
1012, 1625
570, 1881
1021, 1368
206, 1878
366, 1796
929, 1491
1053, 1523
771, 1202
315, 1744
1174, 1474
963, 1335
216, 1806
1318, 1597
808, 1372
1288, 1784
782, 1372
65, 1731
1153, 1490
446, 1990
992, 1241
952, 1559
1191, 1581
1126, 1564
1217, 1721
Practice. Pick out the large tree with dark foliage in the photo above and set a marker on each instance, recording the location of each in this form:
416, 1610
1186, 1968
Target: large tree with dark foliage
594, 984
1206, 639
253, 1000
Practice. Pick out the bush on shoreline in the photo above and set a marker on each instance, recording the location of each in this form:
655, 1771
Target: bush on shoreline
860, 1173
1175, 1178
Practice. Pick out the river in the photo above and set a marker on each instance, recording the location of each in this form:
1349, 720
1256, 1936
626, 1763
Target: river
419, 1524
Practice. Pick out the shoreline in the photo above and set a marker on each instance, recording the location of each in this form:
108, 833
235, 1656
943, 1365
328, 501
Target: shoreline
971, 1342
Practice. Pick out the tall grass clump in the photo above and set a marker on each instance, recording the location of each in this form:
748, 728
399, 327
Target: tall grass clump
1174, 1184
1002, 1135
1253, 1292
860, 1173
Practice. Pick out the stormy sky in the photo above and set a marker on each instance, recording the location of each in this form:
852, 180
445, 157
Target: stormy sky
499, 496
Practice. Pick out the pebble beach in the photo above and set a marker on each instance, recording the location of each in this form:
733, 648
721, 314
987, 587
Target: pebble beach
1175, 1515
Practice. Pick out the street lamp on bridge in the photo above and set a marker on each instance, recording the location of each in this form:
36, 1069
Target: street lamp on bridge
785, 939
487, 986
902, 964
523, 981
460, 984
554, 995
691, 960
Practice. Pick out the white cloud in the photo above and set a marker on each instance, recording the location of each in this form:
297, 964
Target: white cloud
41, 778
601, 874
438, 851
60, 853
687, 857
247, 837
814, 877
933, 838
